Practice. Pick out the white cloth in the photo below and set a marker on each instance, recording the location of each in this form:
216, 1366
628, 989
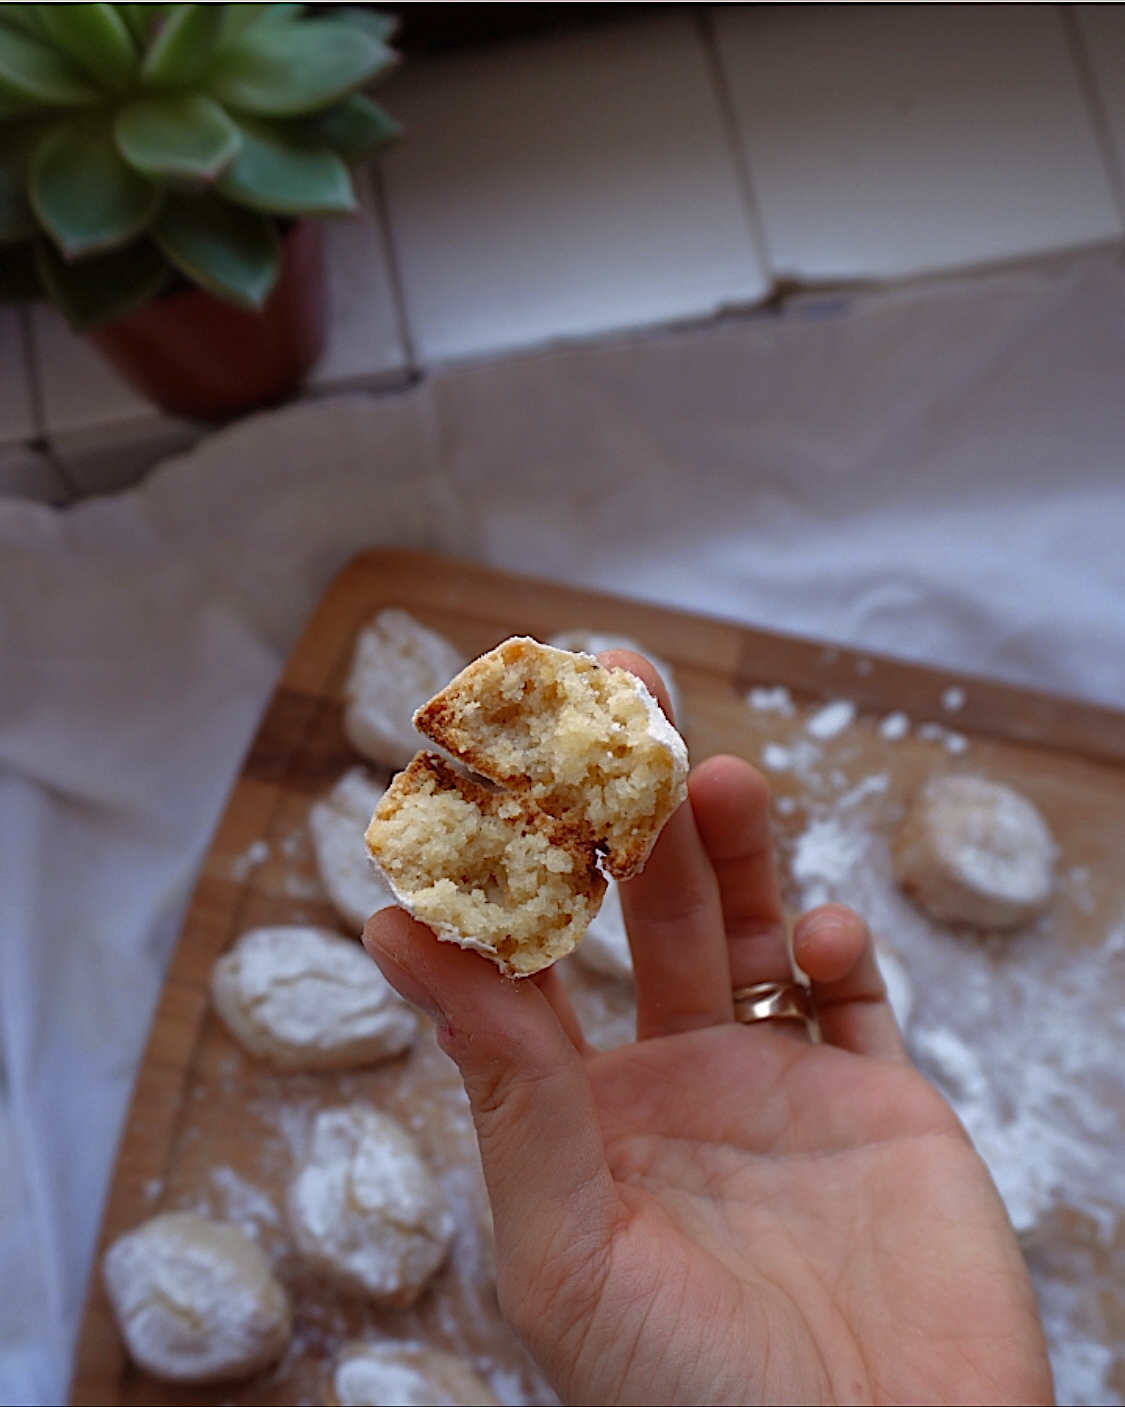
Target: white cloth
934, 474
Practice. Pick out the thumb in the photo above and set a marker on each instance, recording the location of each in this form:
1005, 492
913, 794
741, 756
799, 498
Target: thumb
553, 1199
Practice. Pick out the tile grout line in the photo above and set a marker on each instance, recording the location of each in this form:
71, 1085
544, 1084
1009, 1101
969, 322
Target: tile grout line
38, 410
736, 148
382, 211
1091, 92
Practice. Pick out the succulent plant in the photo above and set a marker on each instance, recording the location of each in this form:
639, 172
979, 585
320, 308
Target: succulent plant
142, 142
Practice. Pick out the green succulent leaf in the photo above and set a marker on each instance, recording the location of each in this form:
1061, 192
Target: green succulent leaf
277, 176
379, 25
183, 47
35, 75
142, 20
177, 137
354, 128
96, 39
104, 288
233, 253
282, 70
25, 17
85, 195
239, 18
19, 276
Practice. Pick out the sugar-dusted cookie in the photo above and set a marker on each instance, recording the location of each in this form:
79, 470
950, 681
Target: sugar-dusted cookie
387, 1373
973, 851
196, 1300
307, 999
398, 664
337, 823
365, 1209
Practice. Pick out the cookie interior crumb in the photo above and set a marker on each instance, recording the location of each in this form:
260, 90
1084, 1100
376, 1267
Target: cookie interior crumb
479, 867
582, 742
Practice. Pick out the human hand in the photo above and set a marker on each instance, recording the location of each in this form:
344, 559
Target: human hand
723, 1213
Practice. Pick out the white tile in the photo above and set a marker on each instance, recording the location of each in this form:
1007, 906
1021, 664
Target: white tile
106, 459
565, 188
81, 392
25, 473
365, 346
17, 416
1102, 28
888, 141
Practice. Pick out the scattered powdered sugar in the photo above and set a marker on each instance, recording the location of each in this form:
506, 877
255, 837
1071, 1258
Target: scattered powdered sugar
954, 743
777, 699
253, 856
799, 758
1015, 1032
831, 720
894, 727
245, 1205
953, 699
824, 857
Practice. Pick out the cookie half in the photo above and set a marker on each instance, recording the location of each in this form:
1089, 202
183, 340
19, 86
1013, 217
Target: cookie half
483, 869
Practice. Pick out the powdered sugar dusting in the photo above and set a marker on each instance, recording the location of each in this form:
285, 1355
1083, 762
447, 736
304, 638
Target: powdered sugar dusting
832, 719
1015, 1035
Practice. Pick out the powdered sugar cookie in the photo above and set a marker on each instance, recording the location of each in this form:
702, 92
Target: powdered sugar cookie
307, 999
977, 852
387, 1374
337, 823
398, 664
482, 869
195, 1300
587, 745
593, 642
366, 1210
588, 771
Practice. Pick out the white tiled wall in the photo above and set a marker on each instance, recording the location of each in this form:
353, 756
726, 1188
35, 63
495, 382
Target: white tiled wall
565, 188
894, 140
366, 346
659, 169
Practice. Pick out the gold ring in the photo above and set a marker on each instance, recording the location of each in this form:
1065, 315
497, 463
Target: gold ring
772, 1001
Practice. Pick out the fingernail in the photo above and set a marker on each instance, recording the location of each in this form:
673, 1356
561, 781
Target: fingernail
409, 988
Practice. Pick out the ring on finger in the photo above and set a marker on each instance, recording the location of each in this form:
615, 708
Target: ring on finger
772, 1001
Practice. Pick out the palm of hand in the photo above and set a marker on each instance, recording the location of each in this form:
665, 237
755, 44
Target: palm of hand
779, 1205
723, 1213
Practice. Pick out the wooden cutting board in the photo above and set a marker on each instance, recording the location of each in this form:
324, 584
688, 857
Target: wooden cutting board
209, 1129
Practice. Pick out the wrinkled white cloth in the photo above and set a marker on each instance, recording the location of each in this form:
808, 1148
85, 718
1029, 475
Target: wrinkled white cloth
934, 473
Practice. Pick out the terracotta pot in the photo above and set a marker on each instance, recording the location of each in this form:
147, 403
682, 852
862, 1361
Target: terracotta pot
199, 357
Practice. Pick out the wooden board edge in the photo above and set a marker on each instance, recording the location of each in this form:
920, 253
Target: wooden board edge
411, 577
873, 681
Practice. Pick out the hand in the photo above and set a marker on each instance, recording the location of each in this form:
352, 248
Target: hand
723, 1213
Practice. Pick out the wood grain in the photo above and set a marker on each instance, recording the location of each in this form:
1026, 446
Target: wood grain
197, 1099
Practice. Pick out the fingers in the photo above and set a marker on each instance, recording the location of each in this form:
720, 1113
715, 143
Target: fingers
551, 985
833, 946
673, 914
731, 803
674, 918
540, 1143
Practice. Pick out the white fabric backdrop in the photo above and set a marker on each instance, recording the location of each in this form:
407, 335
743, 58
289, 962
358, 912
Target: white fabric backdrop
934, 473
